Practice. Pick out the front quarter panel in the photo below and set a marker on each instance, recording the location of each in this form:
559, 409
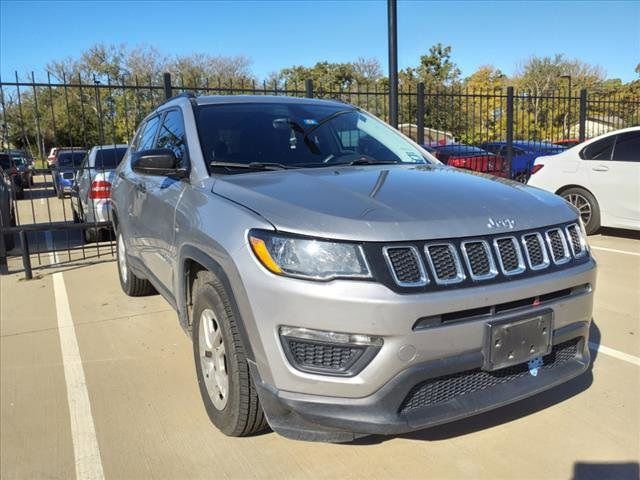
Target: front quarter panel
212, 231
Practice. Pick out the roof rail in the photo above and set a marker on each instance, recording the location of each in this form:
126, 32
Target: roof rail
189, 95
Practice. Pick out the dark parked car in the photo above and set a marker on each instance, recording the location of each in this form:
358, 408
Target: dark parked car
470, 158
525, 153
8, 165
7, 218
64, 172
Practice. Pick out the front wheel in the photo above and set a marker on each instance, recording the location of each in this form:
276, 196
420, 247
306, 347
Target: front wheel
587, 206
225, 383
131, 284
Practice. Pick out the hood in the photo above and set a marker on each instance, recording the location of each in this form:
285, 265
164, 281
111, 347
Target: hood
392, 203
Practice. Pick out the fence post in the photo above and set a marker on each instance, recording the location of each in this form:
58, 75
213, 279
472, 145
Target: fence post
509, 129
26, 257
3, 255
420, 108
167, 86
308, 87
583, 115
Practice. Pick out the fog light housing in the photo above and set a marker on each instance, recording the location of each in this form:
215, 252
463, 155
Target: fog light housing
328, 353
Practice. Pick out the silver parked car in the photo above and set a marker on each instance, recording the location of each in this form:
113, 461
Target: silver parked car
90, 200
337, 280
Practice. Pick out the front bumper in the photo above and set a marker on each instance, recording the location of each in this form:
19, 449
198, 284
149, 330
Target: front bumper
314, 406
321, 418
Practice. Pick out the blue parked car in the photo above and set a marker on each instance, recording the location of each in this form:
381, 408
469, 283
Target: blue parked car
64, 172
525, 153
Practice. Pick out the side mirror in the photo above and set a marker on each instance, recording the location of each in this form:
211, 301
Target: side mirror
160, 162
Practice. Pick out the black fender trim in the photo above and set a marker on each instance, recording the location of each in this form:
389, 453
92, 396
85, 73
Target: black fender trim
189, 252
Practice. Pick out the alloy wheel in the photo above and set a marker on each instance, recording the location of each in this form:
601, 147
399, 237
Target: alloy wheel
213, 359
582, 204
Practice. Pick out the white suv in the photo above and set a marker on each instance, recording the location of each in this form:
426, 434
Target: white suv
600, 177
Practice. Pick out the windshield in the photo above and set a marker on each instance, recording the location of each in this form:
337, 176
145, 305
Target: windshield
300, 135
70, 159
109, 158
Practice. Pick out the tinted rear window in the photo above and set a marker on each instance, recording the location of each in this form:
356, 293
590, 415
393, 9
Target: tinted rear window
70, 159
109, 158
461, 150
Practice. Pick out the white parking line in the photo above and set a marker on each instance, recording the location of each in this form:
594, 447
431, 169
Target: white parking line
86, 453
615, 251
615, 353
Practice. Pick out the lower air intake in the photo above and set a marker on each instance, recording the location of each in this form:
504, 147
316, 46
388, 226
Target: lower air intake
444, 389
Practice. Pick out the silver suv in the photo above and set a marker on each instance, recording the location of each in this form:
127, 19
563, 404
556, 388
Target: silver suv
336, 279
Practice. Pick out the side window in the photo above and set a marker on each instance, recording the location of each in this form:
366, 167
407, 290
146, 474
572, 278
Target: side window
627, 147
172, 136
148, 134
600, 150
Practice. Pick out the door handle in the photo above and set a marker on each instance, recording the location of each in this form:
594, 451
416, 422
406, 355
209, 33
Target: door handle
600, 168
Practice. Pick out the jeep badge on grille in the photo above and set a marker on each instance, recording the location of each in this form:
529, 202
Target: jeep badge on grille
503, 222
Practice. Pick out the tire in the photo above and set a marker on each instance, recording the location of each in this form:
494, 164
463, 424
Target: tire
237, 413
587, 205
91, 235
131, 284
522, 177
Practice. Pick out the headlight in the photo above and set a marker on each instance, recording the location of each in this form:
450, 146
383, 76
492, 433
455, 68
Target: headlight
583, 234
308, 257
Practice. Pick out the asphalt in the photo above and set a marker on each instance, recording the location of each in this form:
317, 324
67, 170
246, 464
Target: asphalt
149, 421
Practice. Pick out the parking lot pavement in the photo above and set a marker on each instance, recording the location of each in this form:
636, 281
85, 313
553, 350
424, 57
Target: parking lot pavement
149, 421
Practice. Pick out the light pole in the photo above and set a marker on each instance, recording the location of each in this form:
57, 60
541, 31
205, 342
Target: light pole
566, 117
393, 62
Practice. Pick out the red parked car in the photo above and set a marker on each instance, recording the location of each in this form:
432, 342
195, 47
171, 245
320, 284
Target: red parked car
470, 158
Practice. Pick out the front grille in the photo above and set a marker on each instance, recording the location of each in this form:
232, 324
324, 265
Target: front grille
557, 245
478, 258
424, 265
534, 248
444, 262
406, 266
509, 255
573, 234
449, 387
324, 356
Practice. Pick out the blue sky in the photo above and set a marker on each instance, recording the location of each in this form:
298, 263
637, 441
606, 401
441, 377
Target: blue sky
280, 34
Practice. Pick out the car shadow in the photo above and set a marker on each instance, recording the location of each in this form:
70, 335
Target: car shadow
610, 471
506, 414
619, 232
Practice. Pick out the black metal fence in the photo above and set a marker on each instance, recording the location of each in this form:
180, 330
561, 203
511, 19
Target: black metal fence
83, 112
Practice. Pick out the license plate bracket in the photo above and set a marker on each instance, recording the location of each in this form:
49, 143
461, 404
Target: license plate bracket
517, 340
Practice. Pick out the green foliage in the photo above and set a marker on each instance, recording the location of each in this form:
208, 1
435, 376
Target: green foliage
98, 105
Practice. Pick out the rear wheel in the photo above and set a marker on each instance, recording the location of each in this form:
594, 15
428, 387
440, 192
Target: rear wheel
225, 383
587, 205
131, 284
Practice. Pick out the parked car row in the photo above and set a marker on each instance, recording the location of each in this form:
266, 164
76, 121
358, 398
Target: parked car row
19, 170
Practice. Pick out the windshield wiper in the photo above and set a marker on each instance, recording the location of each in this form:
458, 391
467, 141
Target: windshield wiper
369, 161
252, 165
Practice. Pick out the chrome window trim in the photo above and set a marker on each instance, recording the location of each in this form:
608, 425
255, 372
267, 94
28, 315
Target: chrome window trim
424, 280
516, 245
493, 271
567, 256
460, 275
545, 256
583, 246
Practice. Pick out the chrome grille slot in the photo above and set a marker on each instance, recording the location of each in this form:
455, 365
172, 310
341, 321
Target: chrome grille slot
535, 251
445, 263
405, 265
578, 248
557, 246
509, 255
477, 256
